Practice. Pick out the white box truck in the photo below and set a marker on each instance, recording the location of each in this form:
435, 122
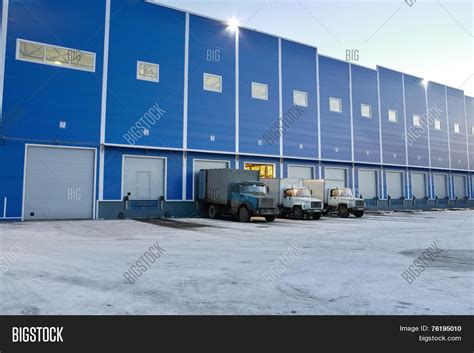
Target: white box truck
235, 192
294, 199
336, 199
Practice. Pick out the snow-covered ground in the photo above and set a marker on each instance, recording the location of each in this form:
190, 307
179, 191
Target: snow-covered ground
337, 266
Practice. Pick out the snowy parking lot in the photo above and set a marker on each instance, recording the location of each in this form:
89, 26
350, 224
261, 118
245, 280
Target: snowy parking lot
391, 263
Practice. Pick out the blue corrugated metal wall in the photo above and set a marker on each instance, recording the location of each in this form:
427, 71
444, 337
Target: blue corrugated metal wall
37, 97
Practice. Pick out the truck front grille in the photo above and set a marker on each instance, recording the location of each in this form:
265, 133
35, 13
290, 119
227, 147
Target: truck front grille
360, 203
315, 204
265, 202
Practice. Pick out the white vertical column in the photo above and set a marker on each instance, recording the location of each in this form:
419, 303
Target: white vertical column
467, 132
430, 195
103, 111
352, 128
185, 108
237, 97
280, 101
407, 186
382, 193
318, 94
3, 47
448, 128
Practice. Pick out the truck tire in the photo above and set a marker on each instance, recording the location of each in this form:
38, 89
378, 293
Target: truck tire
244, 214
270, 218
298, 212
343, 211
212, 211
358, 214
316, 216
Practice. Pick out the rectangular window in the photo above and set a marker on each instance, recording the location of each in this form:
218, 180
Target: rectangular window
54, 55
212, 83
392, 116
366, 110
148, 71
457, 128
437, 124
335, 105
472, 130
265, 170
259, 91
416, 120
300, 98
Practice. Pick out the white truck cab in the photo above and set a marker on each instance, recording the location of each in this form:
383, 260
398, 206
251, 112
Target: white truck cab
294, 200
338, 200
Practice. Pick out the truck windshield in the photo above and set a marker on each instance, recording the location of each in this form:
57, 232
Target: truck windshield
253, 189
301, 193
344, 192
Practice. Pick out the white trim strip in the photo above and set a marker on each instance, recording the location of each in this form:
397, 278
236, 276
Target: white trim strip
319, 108
447, 124
237, 91
5, 207
103, 109
186, 87
3, 41
280, 97
467, 139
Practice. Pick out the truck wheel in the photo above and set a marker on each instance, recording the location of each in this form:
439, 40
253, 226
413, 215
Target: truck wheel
298, 212
358, 214
343, 211
244, 214
212, 211
316, 216
270, 218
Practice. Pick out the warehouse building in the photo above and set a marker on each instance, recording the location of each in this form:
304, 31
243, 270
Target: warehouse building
109, 100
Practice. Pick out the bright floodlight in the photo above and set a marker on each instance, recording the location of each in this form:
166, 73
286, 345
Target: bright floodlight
233, 24
424, 82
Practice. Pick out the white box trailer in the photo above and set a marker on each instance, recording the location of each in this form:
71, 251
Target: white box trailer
294, 199
336, 199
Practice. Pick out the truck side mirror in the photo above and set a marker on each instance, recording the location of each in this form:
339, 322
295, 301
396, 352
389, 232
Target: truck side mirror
268, 189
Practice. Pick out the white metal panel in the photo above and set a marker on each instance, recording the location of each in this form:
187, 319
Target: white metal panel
143, 178
300, 172
368, 184
418, 182
199, 164
334, 178
59, 183
460, 186
395, 184
441, 186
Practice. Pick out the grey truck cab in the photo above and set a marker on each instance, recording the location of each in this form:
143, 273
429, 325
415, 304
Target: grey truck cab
235, 192
336, 199
294, 199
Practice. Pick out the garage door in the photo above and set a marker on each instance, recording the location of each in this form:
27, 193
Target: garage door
59, 183
300, 172
418, 182
395, 184
335, 178
144, 178
206, 164
441, 186
460, 186
368, 184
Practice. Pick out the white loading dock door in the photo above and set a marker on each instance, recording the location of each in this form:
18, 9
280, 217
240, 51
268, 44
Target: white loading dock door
300, 172
441, 186
418, 182
200, 164
368, 183
460, 186
59, 183
143, 178
334, 178
395, 184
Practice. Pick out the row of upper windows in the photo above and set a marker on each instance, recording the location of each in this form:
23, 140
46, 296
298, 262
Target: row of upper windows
82, 60
335, 105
